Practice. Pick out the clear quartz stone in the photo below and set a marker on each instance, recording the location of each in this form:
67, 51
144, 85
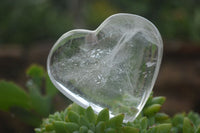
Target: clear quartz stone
114, 66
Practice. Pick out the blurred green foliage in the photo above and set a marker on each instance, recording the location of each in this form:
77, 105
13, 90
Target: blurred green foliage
24, 21
31, 105
27, 21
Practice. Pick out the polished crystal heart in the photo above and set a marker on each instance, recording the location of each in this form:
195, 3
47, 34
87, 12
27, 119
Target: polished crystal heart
114, 66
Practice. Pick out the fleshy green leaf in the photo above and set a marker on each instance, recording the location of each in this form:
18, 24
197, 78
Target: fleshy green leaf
130, 130
158, 100
84, 121
163, 128
83, 129
73, 117
76, 108
177, 121
92, 126
144, 122
12, 95
149, 100
188, 127
116, 122
160, 117
151, 120
103, 115
60, 127
100, 127
151, 110
63, 127
49, 127
89, 113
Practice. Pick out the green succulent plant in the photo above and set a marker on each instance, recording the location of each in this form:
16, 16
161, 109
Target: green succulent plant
36, 103
75, 119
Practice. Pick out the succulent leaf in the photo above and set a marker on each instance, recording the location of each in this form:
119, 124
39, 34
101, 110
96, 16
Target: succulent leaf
73, 117
89, 113
100, 127
151, 110
188, 127
161, 117
71, 127
144, 123
84, 121
60, 126
49, 127
163, 128
130, 130
116, 121
83, 129
158, 100
92, 126
76, 108
103, 115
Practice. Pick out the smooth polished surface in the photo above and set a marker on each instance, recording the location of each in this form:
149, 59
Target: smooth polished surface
114, 66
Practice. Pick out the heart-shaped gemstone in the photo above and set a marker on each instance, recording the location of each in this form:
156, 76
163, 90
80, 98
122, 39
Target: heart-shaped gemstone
114, 66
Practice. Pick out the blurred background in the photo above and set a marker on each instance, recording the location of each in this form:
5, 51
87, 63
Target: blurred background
29, 28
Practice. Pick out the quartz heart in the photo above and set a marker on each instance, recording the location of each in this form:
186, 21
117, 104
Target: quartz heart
114, 66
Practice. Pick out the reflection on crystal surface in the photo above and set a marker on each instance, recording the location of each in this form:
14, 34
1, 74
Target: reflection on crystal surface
114, 66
